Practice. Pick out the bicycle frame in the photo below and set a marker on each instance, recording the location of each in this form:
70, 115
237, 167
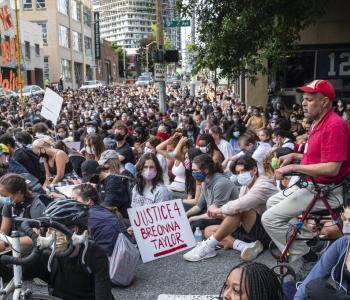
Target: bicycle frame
318, 196
16, 284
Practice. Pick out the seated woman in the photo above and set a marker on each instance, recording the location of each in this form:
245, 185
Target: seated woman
56, 162
251, 281
149, 186
93, 146
241, 228
208, 146
103, 225
216, 189
330, 277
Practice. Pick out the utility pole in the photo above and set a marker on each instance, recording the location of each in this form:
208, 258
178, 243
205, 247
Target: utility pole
160, 45
124, 63
193, 40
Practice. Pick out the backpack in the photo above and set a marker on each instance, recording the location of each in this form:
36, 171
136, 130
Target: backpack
37, 168
129, 182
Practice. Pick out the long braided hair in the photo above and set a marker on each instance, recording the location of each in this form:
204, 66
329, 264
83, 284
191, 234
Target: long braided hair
259, 282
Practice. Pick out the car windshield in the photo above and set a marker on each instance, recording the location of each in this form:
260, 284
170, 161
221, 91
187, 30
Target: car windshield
26, 89
90, 82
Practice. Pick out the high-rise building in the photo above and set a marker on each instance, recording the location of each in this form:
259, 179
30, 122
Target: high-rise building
127, 22
67, 34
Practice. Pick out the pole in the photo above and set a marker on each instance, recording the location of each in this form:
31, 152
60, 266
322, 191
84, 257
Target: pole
160, 44
193, 40
19, 75
147, 58
124, 64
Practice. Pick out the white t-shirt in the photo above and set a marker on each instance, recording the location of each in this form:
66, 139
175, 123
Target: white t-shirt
159, 194
225, 148
164, 165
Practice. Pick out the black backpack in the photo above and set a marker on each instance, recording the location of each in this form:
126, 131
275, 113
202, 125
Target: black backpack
32, 163
129, 182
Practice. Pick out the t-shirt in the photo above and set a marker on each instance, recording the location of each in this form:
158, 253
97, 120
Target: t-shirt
329, 141
226, 148
150, 195
127, 152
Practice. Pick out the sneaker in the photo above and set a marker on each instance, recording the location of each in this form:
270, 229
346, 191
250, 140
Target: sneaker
251, 251
200, 252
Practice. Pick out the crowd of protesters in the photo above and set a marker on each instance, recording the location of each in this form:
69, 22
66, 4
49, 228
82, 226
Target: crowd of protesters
226, 161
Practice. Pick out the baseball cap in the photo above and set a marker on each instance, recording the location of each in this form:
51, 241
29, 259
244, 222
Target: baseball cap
88, 170
106, 155
4, 150
319, 86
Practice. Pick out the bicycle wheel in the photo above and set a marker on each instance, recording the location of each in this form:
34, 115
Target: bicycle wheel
41, 297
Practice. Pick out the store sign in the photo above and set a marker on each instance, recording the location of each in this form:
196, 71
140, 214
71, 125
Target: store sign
8, 47
333, 64
97, 35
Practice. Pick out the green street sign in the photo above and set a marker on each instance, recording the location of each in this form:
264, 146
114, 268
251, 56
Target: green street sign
177, 23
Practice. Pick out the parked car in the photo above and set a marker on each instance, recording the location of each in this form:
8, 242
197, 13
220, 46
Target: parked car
144, 80
174, 82
30, 90
91, 84
7, 94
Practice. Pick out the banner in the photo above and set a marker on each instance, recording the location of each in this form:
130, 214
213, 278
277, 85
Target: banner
51, 106
97, 35
8, 74
161, 229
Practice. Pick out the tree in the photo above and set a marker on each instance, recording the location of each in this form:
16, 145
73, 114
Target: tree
239, 37
121, 52
141, 52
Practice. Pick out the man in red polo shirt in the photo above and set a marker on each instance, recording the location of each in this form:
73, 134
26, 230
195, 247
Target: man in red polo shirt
326, 158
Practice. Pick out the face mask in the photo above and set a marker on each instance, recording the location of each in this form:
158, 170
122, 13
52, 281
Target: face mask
346, 230
236, 134
187, 164
62, 135
235, 120
245, 178
89, 150
198, 175
233, 178
71, 126
119, 137
175, 119
5, 201
147, 150
109, 122
149, 174
39, 135
293, 120
204, 150
90, 130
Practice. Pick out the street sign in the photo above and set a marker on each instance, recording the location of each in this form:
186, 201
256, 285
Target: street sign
159, 72
177, 23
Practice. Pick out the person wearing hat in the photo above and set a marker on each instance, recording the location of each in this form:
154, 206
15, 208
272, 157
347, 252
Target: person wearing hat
326, 158
8, 164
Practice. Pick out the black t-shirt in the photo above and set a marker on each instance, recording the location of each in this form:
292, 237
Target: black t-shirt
127, 152
71, 279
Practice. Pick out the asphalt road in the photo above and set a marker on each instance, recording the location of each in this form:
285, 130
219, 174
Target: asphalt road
173, 275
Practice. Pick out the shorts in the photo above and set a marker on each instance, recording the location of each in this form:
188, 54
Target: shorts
256, 233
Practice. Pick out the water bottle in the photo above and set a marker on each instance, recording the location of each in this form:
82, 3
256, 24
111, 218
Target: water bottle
5, 201
198, 235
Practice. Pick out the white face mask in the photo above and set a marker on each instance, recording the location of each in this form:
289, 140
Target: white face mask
147, 150
245, 178
346, 230
236, 134
204, 149
90, 130
233, 178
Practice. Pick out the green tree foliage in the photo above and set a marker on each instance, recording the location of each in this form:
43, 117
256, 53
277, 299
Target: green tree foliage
240, 36
120, 52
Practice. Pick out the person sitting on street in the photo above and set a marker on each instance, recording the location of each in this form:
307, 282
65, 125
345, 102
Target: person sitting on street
241, 228
216, 190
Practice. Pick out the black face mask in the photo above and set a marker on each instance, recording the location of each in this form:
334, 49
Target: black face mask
119, 137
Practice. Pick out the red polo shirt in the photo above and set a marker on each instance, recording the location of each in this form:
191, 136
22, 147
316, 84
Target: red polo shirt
329, 141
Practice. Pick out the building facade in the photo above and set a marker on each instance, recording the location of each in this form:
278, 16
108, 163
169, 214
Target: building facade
127, 22
324, 53
67, 37
107, 67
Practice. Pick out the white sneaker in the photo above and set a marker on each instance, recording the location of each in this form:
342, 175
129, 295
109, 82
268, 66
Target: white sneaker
200, 252
251, 251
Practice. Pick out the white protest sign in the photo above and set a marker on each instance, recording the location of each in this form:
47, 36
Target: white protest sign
51, 106
66, 190
161, 229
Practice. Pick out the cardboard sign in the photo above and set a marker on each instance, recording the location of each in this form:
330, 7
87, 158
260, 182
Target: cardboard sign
66, 190
51, 106
161, 229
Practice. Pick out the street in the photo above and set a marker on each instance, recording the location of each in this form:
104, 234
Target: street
172, 275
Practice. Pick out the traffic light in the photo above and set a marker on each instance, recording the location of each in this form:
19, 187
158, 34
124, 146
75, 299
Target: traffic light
171, 56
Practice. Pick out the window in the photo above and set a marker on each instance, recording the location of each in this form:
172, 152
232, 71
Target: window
77, 41
63, 6
40, 4
76, 10
27, 4
46, 67
37, 50
87, 16
44, 31
27, 49
88, 46
63, 36
66, 69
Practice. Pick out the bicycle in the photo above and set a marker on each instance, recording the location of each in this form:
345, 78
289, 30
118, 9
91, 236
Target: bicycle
40, 243
322, 193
